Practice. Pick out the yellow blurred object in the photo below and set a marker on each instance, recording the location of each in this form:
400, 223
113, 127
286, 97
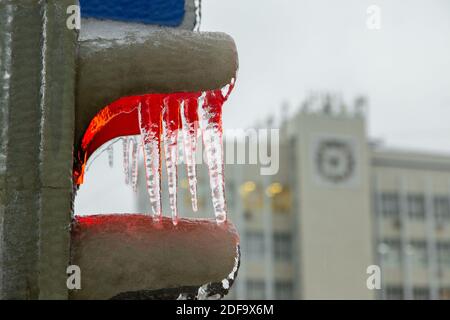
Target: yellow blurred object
282, 202
274, 189
247, 188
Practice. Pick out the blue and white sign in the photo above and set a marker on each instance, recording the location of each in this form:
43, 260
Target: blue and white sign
170, 13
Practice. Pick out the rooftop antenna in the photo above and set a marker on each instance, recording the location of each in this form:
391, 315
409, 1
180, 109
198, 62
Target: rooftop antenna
285, 107
342, 105
336, 102
313, 100
270, 121
360, 105
327, 103
304, 106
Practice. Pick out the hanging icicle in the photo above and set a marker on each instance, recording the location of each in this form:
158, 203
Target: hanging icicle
162, 116
190, 132
134, 163
126, 159
212, 140
172, 124
149, 113
110, 151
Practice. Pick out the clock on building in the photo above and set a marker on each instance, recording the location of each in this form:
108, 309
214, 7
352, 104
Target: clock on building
334, 160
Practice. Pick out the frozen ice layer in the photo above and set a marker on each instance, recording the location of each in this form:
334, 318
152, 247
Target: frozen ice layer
143, 77
134, 163
159, 61
126, 159
153, 260
110, 151
172, 124
212, 139
149, 115
159, 120
190, 132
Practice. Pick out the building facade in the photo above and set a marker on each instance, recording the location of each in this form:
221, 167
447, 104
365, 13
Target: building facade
338, 205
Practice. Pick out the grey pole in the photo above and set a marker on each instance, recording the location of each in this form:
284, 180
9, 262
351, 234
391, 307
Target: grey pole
37, 132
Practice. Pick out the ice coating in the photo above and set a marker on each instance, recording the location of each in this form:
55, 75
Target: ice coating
126, 159
190, 132
212, 139
172, 124
149, 114
198, 14
134, 163
110, 151
156, 119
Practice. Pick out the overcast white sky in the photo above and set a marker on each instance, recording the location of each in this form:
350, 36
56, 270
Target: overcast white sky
289, 47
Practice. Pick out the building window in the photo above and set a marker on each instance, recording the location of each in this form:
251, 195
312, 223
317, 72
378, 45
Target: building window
282, 200
418, 253
254, 245
394, 293
443, 249
256, 290
284, 290
391, 252
421, 293
416, 206
390, 205
442, 208
252, 196
282, 245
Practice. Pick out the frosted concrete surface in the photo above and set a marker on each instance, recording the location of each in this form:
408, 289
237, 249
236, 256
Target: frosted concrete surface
122, 254
114, 62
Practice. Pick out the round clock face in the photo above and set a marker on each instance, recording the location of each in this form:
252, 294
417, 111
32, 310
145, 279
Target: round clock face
335, 160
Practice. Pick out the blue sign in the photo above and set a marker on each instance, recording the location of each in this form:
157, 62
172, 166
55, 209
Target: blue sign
158, 12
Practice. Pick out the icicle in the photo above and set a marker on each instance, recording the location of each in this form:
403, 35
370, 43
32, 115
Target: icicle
190, 131
226, 90
110, 151
126, 159
172, 123
212, 139
134, 163
198, 15
149, 114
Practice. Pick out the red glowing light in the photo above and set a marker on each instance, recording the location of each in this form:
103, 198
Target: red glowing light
120, 118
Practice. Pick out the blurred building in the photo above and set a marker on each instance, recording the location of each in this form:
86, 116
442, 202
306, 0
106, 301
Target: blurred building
338, 204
